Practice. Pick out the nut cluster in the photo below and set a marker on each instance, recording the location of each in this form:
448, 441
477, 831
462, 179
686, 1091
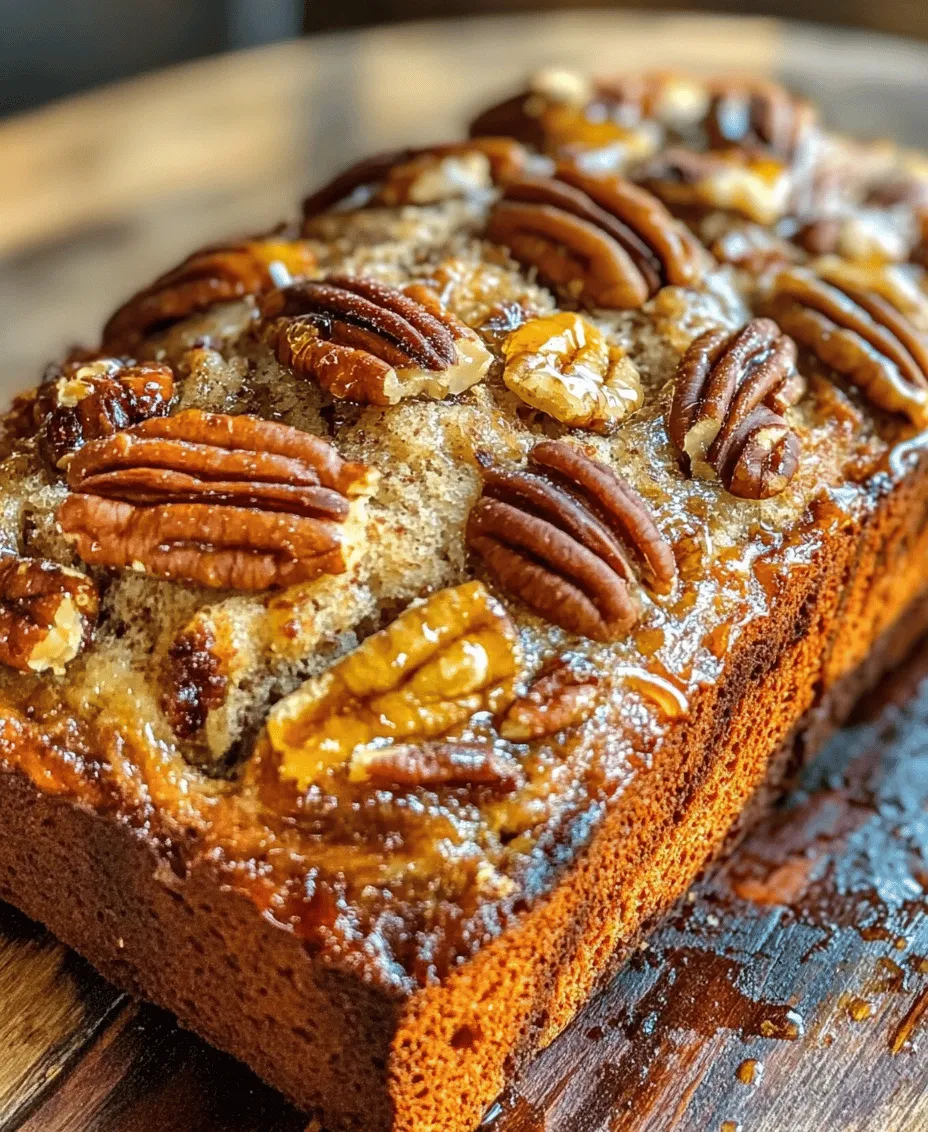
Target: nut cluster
364, 341
603, 240
564, 113
84, 401
212, 275
47, 614
860, 334
761, 117
390, 710
227, 502
427, 175
725, 419
563, 536
564, 366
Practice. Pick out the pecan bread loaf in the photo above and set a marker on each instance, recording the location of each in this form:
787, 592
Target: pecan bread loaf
399, 610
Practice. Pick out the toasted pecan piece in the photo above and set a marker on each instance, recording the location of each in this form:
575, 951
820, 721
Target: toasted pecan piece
566, 367
364, 341
758, 115
431, 765
725, 419
379, 709
860, 334
218, 274
83, 401
604, 240
47, 614
560, 697
561, 536
424, 175
228, 502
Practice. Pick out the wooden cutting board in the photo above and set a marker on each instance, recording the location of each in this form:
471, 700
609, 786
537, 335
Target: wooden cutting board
788, 992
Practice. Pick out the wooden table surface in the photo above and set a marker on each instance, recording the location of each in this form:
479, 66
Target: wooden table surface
787, 993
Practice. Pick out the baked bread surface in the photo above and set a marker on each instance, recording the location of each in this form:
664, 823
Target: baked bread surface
375, 803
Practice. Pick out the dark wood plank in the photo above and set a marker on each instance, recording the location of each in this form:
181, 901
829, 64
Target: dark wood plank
145, 1074
788, 991
53, 1007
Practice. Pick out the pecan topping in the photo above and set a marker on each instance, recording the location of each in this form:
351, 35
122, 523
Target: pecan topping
761, 189
559, 698
559, 536
228, 502
420, 176
564, 366
860, 334
725, 418
210, 276
195, 678
84, 401
47, 614
604, 240
564, 113
431, 765
758, 116
419, 680
363, 341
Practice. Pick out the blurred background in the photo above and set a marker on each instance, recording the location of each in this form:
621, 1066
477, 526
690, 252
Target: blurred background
133, 131
49, 48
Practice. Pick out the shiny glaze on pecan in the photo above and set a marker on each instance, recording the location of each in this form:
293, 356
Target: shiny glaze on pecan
47, 614
364, 341
221, 501
561, 696
431, 765
759, 116
605, 241
563, 536
83, 401
859, 334
725, 419
219, 274
417, 682
424, 175
195, 682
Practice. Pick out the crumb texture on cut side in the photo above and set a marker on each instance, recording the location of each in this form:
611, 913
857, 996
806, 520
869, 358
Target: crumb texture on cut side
400, 608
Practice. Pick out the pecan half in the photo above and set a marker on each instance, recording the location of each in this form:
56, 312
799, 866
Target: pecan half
860, 334
47, 614
725, 417
566, 367
431, 765
560, 697
228, 502
364, 341
212, 275
604, 240
759, 116
559, 536
424, 676
426, 175
84, 401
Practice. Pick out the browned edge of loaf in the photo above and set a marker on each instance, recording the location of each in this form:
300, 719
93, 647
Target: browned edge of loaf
435, 1060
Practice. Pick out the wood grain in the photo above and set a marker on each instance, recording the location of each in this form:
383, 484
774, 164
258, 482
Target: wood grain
100, 193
